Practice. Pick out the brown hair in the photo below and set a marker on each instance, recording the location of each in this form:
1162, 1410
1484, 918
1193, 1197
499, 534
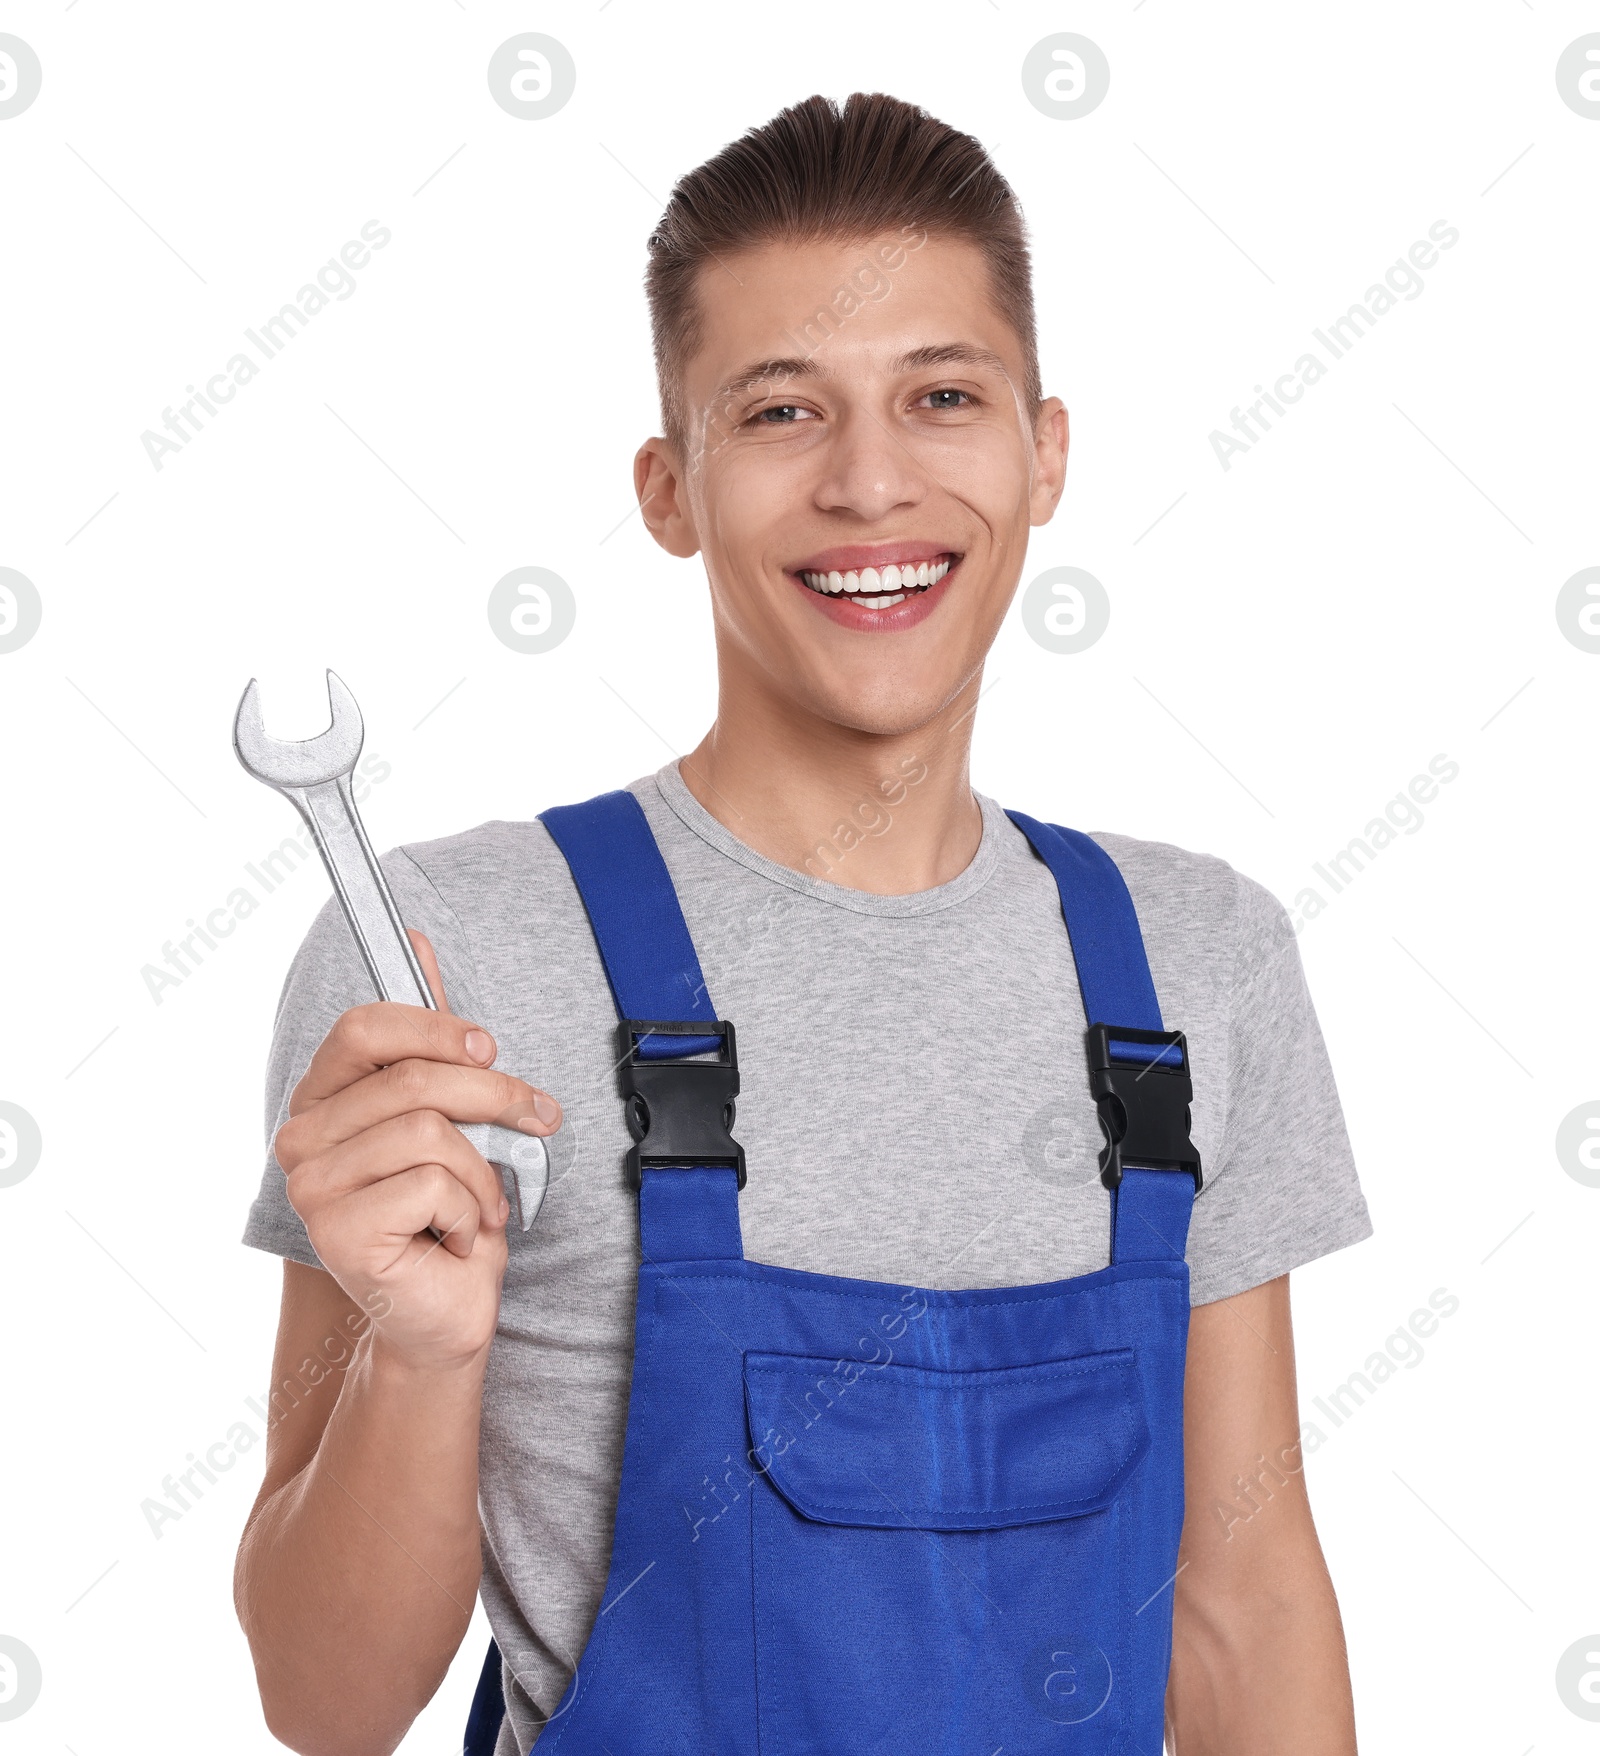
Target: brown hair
824, 170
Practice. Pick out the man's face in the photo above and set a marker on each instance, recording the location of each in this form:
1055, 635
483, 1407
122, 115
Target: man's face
861, 483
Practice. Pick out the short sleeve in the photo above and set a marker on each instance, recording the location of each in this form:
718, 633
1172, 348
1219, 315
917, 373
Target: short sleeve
1283, 1188
327, 978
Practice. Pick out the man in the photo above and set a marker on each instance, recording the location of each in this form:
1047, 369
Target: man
855, 443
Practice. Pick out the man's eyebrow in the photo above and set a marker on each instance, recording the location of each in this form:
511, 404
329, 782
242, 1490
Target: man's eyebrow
767, 372
952, 353
781, 371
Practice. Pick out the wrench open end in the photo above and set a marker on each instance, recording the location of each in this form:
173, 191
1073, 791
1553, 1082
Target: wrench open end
307, 762
523, 1161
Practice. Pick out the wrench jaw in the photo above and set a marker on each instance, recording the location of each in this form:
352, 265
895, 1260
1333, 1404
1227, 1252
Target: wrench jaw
307, 762
313, 774
523, 1161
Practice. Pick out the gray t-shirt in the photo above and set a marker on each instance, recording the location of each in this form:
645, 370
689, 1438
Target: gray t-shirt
915, 1109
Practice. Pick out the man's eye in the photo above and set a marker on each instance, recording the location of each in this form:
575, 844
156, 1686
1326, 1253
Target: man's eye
947, 399
780, 415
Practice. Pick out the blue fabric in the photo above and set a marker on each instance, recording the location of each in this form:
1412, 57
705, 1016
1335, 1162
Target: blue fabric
654, 972
1107, 946
1149, 1209
1147, 1054
690, 1215
644, 944
488, 1709
1021, 1445
1150, 1215
861, 1517
732, 1622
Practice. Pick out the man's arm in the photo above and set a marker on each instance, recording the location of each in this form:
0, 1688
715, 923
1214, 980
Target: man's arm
359, 1565
357, 1570
1258, 1655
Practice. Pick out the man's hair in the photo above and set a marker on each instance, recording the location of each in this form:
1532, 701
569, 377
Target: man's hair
819, 171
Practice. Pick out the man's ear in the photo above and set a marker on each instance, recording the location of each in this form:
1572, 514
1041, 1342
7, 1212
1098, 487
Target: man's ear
1050, 440
663, 505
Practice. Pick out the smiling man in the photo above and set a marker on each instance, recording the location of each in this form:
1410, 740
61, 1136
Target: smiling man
942, 1394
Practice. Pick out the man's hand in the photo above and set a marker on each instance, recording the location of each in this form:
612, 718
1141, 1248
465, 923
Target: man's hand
373, 1162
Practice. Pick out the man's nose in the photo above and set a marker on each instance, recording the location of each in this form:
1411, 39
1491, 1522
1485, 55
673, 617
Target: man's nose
869, 470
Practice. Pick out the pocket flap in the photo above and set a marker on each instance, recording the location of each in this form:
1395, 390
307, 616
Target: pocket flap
903, 1447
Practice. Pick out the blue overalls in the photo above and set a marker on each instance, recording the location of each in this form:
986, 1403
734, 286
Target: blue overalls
871, 1520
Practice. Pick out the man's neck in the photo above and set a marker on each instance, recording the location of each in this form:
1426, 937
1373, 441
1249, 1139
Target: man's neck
885, 814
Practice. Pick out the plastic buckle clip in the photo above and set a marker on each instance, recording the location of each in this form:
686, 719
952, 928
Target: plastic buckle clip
679, 1112
1141, 1085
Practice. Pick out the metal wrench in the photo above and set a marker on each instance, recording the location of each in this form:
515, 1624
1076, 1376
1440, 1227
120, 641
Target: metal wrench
314, 775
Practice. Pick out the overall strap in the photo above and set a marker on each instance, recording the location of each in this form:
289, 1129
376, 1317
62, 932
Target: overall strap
1138, 1072
687, 1212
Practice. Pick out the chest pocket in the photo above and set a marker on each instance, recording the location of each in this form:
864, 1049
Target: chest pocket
938, 1556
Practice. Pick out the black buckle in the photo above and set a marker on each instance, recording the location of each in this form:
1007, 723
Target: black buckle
678, 1112
1143, 1103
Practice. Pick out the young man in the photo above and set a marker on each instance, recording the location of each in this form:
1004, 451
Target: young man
919, 1485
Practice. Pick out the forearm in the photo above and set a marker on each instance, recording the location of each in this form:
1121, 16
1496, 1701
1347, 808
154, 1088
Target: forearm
356, 1579
1259, 1667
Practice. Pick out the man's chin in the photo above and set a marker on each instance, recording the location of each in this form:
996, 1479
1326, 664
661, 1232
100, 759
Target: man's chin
884, 706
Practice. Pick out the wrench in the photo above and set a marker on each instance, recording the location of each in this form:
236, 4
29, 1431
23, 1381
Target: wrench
314, 775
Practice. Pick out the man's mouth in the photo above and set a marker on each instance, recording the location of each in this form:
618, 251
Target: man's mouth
879, 588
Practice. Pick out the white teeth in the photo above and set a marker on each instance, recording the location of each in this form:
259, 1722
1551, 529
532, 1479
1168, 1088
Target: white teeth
878, 588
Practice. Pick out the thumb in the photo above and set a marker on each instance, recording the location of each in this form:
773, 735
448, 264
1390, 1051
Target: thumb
430, 967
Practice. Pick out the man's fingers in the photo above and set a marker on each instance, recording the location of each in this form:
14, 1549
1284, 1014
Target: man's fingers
388, 1214
393, 1149
464, 1094
377, 1035
430, 967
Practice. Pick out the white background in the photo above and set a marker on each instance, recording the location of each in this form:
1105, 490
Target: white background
1293, 640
